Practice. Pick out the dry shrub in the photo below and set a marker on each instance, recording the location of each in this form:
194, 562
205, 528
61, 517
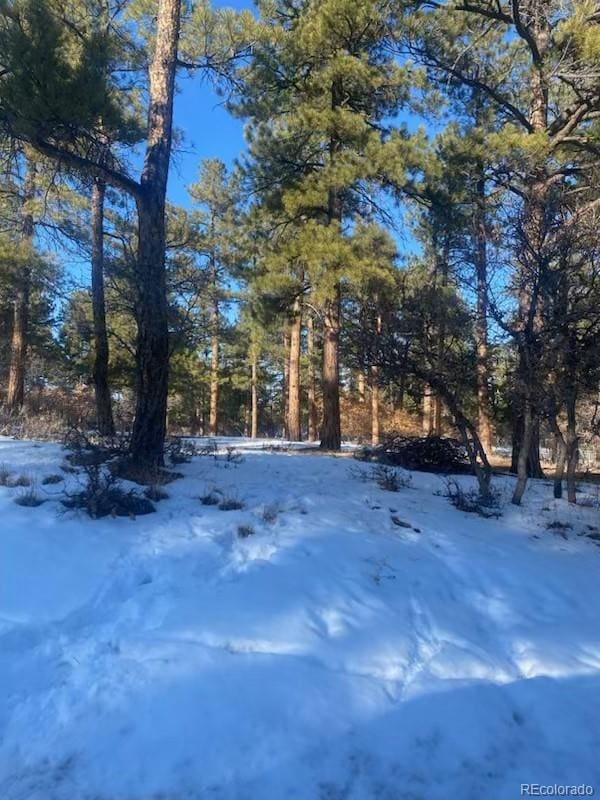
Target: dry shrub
19, 480
5, 473
29, 499
231, 503
51, 411
470, 500
270, 513
356, 419
50, 480
210, 498
102, 496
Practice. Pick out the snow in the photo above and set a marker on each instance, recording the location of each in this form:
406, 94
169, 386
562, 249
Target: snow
332, 655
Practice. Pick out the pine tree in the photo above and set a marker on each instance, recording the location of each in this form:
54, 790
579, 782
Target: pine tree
535, 62
52, 56
217, 195
318, 92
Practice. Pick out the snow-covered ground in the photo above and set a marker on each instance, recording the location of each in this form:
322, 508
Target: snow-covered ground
335, 654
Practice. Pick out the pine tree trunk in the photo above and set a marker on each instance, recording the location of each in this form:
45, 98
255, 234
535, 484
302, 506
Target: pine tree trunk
441, 273
572, 445
534, 465
533, 276
152, 347
375, 432
375, 389
313, 412
18, 345
254, 395
561, 458
522, 461
437, 415
427, 411
194, 421
331, 436
286, 379
294, 428
360, 386
213, 417
481, 322
104, 416
15, 396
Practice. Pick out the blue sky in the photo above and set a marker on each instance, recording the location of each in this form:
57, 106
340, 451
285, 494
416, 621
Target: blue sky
208, 130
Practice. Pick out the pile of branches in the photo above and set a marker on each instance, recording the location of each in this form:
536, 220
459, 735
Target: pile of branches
423, 453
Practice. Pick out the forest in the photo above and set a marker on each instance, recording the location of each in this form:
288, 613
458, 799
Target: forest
408, 242
299, 399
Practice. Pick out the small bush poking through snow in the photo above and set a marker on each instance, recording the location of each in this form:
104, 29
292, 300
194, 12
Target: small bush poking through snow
469, 500
234, 457
49, 480
245, 530
209, 450
560, 528
231, 503
20, 480
29, 499
102, 496
83, 451
211, 498
389, 479
5, 474
270, 513
181, 451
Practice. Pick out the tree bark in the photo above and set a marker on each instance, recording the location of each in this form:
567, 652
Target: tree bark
427, 410
375, 427
437, 415
534, 465
313, 412
561, 458
360, 386
254, 396
286, 379
104, 415
18, 345
572, 442
532, 276
20, 331
331, 435
442, 258
213, 417
294, 427
152, 346
375, 391
481, 322
522, 461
